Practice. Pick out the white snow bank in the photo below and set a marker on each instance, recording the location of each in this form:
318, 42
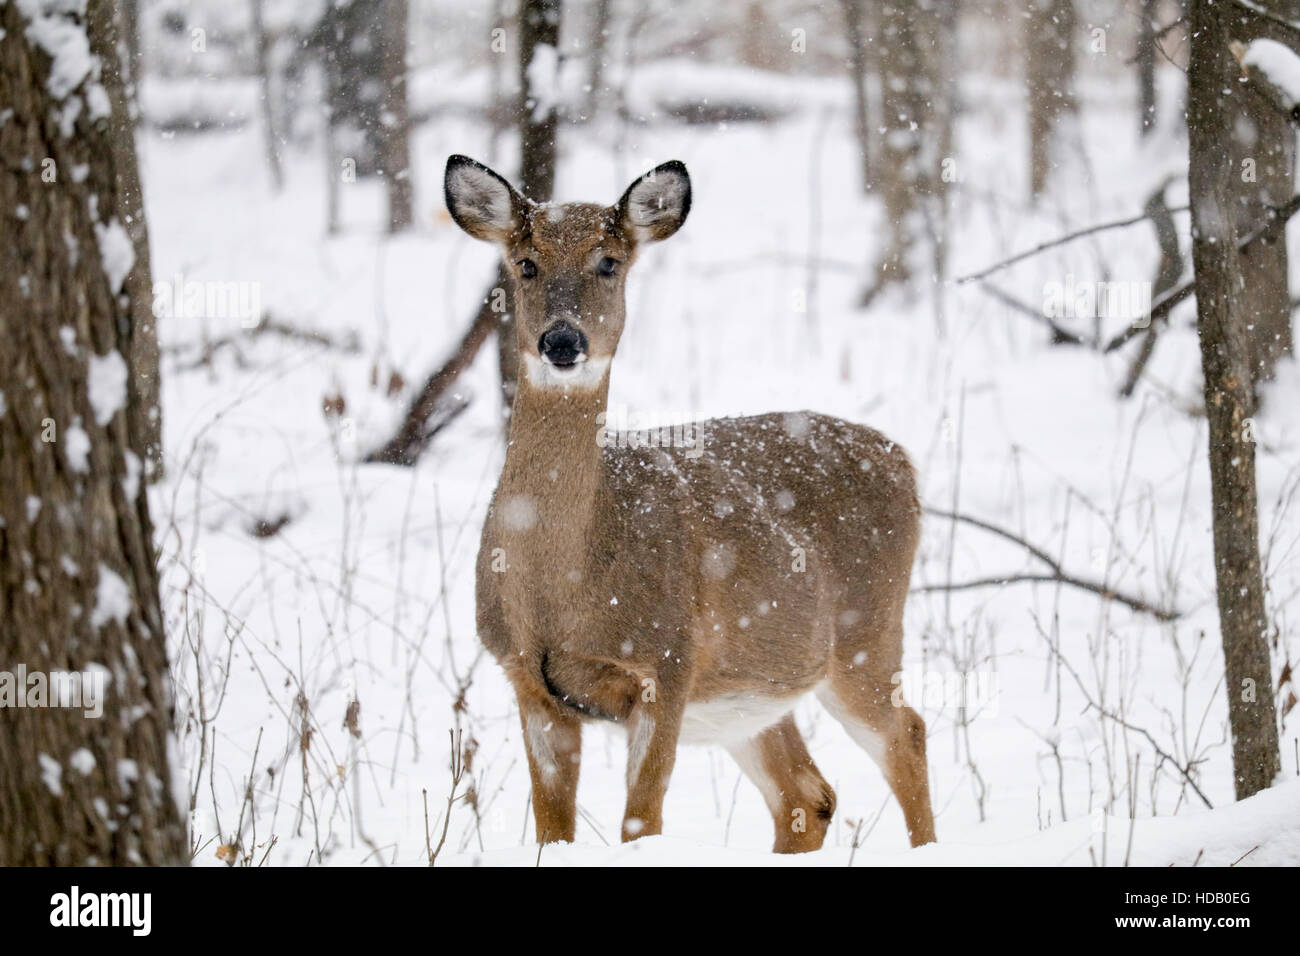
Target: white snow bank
1261, 831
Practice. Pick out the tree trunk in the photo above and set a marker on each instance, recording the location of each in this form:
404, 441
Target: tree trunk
597, 48
1049, 82
78, 583
395, 117
1263, 162
903, 88
147, 412
911, 99
539, 46
1146, 65
859, 64
262, 47
1221, 319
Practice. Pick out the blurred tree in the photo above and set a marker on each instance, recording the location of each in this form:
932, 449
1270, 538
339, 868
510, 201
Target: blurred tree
538, 120
395, 116
1221, 321
597, 50
859, 32
1146, 65
362, 47
262, 56
915, 63
1049, 82
78, 577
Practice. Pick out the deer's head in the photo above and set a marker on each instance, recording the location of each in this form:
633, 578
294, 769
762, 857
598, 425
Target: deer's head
569, 262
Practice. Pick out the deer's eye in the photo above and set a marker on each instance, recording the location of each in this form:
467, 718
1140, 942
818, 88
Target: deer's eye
527, 268
607, 266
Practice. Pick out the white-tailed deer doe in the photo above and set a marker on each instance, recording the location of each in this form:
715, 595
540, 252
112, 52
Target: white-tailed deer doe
688, 597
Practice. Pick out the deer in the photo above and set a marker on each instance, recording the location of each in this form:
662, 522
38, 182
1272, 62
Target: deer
687, 596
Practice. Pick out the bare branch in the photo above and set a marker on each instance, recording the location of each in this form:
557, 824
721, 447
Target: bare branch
1068, 237
1057, 573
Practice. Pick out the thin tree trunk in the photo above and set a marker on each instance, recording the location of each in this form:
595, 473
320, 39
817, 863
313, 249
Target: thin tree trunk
1220, 320
539, 46
859, 41
1146, 65
597, 48
262, 45
1049, 82
395, 117
78, 580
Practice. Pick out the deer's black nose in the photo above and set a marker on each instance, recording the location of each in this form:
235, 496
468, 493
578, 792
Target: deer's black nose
562, 345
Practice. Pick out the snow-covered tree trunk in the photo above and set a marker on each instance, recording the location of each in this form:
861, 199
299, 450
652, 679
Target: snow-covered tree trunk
1263, 162
1221, 318
108, 38
1049, 82
78, 581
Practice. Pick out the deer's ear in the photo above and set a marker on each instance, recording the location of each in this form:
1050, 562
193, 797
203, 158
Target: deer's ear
482, 203
655, 206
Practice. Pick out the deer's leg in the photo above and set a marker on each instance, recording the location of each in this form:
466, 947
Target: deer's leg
553, 740
893, 736
801, 801
652, 735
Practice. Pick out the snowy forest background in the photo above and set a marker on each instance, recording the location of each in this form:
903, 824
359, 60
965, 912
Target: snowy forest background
859, 167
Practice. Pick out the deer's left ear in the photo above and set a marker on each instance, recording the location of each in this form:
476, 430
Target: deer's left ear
655, 206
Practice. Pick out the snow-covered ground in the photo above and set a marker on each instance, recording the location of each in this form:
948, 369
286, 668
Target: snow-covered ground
366, 588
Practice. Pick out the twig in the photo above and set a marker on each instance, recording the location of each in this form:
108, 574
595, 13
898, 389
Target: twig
457, 771
1068, 237
1058, 573
1060, 334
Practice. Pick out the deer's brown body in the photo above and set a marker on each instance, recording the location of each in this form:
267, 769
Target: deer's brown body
689, 595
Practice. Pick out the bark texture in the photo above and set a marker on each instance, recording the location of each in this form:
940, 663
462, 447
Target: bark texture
78, 581
1262, 141
1221, 321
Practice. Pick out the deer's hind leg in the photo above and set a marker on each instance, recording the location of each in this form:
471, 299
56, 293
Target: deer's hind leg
861, 693
798, 796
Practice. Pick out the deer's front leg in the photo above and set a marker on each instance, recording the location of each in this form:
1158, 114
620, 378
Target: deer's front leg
553, 740
651, 751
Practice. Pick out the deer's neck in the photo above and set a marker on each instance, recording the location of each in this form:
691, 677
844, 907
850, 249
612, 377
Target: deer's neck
552, 476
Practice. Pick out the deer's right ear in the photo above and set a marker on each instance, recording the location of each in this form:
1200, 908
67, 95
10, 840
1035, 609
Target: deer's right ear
482, 203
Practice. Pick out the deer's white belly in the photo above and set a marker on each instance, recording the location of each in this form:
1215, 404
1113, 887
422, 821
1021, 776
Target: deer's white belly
730, 720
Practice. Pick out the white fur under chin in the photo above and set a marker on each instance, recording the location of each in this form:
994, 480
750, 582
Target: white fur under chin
587, 374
